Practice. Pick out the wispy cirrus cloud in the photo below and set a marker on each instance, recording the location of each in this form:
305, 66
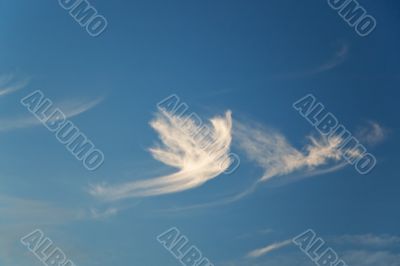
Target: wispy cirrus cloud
338, 57
8, 84
265, 250
278, 158
23, 215
70, 108
25, 212
196, 161
372, 134
351, 257
372, 258
259, 232
371, 240
357, 250
273, 152
369, 249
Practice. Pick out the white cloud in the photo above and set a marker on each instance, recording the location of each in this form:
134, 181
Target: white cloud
270, 150
259, 232
265, 250
196, 161
278, 157
372, 134
7, 85
371, 258
370, 240
70, 108
354, 250
337, 58
96, 214
24, 212
351, 258
19, 216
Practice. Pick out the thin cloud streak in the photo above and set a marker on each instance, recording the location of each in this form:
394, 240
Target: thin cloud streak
278, 157
372, 134
22, 212
19, 215
339, 56
370, 240
270, 150
220, 202
309, 174
70, 109
265, 250
196, 161
7, 86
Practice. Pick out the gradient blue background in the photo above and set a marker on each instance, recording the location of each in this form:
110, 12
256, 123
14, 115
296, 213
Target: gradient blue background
253, 57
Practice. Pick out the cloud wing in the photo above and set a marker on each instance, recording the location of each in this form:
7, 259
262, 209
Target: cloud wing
199, 157
278, 157
7, 85
70, 108
265, 250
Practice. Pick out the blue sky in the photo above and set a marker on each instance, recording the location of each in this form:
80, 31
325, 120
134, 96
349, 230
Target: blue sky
254, 59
